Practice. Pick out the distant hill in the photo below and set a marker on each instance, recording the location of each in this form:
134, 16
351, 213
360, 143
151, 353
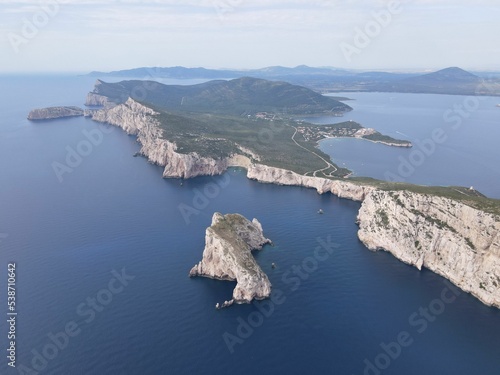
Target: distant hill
236, 97
450, 81
176, 72
180, 72
447, 81
448, 75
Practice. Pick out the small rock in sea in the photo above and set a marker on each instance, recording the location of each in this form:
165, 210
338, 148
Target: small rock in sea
240, 236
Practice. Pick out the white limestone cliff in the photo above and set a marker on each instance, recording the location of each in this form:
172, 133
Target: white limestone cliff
94, 99
342, 189
137, 119
467, 255
450, 238
229, 242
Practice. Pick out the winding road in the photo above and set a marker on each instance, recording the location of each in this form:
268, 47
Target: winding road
328, 164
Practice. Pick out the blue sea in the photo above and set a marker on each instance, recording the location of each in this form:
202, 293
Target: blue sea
455, 139
103, 251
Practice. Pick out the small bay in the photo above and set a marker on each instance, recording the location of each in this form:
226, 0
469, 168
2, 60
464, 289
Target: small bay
455, 139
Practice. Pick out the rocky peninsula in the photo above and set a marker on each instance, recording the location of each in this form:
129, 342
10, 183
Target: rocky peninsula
471, 261
229, 242
452, 231
348, 129
51, 113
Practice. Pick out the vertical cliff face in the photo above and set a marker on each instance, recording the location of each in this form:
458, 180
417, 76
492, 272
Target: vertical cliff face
131, 116
140, 120
266, 174
450, 238
446, 236
229, 242
94, 99
137, 119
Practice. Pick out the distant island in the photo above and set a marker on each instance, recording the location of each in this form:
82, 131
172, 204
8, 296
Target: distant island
451, 81
51, 113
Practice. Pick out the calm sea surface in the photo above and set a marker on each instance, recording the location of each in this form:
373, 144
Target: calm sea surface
114, 214
455, 139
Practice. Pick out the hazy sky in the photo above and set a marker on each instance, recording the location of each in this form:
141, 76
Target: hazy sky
71, 35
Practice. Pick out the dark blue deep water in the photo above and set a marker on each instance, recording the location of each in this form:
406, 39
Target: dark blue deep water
114, 212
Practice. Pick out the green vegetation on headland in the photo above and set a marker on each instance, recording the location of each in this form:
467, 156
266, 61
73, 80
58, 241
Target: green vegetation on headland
279, 142
223, 135
51, 113
239, 97
347, 129
274, 138
247, 116
468, 196
377, 137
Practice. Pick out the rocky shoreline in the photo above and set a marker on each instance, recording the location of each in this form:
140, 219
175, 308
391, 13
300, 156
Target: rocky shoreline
229, 242
447, 237
51, 113
452, 239
391, 144
137, 119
